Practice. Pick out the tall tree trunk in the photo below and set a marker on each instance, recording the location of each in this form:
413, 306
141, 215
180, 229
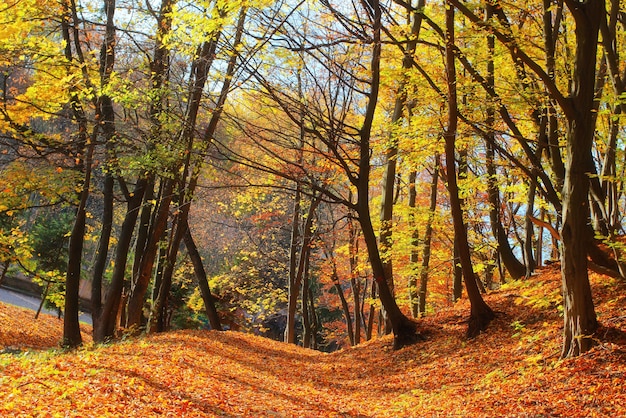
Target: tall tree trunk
369, 325
135, 304
391, 154
528, 227
457, 271
404, 330
505, 253
106, 322
414, 256
346, 311
146, 253
428, 233
105, 109
191, 171
579, 315
480, 314
83, 154
457, 284
355, 284
315, 326
307, 238
304, 299
294, 287
71, 325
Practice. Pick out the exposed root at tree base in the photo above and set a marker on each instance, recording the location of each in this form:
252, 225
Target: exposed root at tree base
477, 323
406, 334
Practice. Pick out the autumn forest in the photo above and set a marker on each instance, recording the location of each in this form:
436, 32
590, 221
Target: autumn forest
362, 178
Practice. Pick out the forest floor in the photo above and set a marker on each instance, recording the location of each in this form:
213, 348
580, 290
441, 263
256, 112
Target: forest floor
513, 369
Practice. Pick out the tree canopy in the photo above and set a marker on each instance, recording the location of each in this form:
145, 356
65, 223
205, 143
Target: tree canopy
318, 172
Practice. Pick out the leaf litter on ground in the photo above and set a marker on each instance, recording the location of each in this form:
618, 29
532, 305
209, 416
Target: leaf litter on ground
512, 369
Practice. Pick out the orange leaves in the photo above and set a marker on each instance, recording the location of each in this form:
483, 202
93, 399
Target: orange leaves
507, 371
19, 329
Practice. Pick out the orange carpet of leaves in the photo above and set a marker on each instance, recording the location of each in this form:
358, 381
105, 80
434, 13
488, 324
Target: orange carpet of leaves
513, 369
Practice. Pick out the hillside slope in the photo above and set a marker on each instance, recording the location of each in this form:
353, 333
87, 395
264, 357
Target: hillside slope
511, 370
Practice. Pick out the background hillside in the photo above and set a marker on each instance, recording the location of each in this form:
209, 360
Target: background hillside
513, 369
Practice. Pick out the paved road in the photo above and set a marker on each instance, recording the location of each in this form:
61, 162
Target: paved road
25, 301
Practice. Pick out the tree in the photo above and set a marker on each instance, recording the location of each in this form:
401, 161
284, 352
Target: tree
578, 108
391, 153
480, 313
343, 142
579, 317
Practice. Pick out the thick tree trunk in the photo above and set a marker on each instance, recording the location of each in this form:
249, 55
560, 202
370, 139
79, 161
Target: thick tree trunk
404, 330
579, 315
513, 266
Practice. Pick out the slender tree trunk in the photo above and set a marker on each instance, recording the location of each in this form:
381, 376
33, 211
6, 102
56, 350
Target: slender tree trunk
457, 288
391, 154
404, 330
539, 240
514, 267
146, 254
346, 310
369, 328
355, 284
314, 320
135, 305
105, 106
428, 233
83, 154
414, 256
528, 241
307, 237
71, 325
102, 251
304, 298
294, 287
203, 283
157, 316
480, 314
106, 322
143, 229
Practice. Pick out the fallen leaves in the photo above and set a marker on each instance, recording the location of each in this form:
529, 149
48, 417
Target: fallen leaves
19, 329
506, 371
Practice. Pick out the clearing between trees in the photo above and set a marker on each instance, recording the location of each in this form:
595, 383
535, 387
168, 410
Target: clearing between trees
513, 369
